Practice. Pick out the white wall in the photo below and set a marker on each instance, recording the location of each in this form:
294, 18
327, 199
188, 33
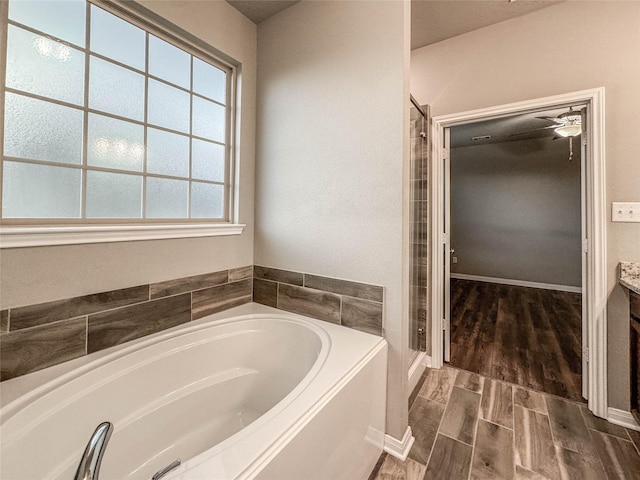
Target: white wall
515, 211
33, 275
332, 146
522, 59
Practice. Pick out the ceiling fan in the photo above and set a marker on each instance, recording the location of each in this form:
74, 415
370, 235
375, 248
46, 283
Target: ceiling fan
566, 125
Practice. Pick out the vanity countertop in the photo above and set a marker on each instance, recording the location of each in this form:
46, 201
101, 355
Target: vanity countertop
630, 276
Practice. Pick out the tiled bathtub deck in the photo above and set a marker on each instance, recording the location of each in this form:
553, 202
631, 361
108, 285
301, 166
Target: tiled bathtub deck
34, 337
471, 427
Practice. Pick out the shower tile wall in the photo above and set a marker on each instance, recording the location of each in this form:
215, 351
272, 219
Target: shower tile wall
419, 231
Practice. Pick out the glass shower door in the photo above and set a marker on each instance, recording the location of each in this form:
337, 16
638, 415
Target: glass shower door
419, 248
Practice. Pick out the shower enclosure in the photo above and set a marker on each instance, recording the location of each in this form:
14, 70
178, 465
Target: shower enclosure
419, 328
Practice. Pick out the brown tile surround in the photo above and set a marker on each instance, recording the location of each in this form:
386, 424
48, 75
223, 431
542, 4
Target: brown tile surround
38, 336
343, 287
4, 321
34, 337
34, 315
183, 285
307, 301
276, 275
216, 299
352, 304
362, 315
114, 327
27, 350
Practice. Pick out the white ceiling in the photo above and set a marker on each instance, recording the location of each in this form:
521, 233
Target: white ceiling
436, 20
259, 10
431, 20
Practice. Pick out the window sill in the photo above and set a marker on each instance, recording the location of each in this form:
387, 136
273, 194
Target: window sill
38, 236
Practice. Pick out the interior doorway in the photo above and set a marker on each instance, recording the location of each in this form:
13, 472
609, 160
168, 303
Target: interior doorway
593, 287
516, 250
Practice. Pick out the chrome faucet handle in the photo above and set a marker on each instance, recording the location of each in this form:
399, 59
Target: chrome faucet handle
89, 466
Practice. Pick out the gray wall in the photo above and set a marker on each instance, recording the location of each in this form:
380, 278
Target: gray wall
510, 62
515, 211
332, 150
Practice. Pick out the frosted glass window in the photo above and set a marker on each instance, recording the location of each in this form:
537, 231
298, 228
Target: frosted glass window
113, 195
169, 62
39, 130
208, 120
209, 81
103, 119
206, 200
207, 160
168, 107
117, 39
39, 65
167, 153
40, 191
64, 19
115, 143
116, 90
167, 198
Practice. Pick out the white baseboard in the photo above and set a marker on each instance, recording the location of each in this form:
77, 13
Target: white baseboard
518, 283
427, 361
417, 368
399, 448
622, 418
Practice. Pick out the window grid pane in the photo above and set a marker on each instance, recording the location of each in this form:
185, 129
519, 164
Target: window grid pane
115, 148
126, 46
113, 195
64, 19
40, 191
39, 130
45, 67
113, 143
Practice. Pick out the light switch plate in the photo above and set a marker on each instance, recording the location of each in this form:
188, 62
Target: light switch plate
625, 212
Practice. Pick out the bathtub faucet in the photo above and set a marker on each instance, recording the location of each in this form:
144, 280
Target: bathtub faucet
92, 457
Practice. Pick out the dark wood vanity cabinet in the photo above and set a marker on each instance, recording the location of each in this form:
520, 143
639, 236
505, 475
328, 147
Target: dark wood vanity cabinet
635, 354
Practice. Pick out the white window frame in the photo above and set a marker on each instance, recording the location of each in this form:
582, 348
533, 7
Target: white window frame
45, 232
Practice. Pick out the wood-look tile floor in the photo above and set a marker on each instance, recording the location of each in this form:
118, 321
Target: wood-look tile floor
467, 426
527, 336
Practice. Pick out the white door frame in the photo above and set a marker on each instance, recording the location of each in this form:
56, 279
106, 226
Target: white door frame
595, 290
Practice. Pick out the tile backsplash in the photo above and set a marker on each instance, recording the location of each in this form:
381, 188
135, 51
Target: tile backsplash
352, 304
38, 336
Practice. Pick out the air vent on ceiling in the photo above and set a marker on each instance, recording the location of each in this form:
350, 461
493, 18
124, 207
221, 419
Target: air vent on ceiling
481, 137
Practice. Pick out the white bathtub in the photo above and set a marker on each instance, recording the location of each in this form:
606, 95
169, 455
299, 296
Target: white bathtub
253, 392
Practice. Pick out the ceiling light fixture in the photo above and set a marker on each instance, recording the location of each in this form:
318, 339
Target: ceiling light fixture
570, 129
570, 124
